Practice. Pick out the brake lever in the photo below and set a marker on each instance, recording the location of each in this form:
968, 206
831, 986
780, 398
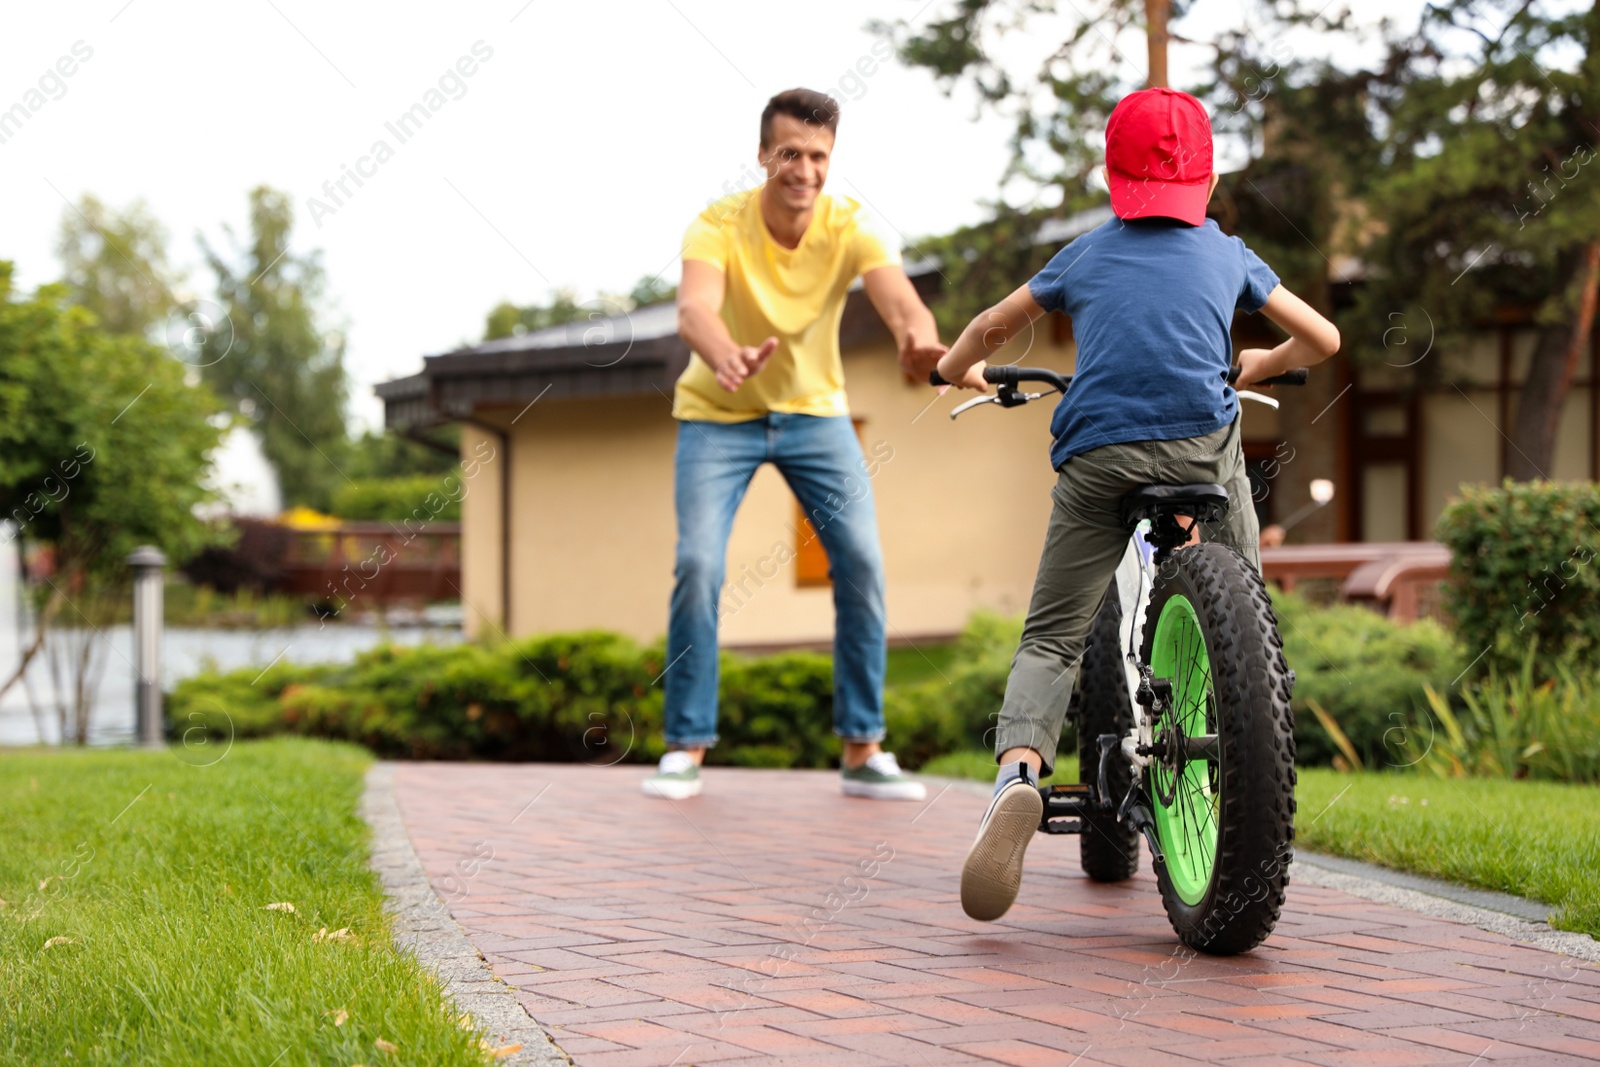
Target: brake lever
1260, 398
974, 402
1017, 400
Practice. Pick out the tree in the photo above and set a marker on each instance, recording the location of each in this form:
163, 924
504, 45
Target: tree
385, 454
103, 447
115, 265
1314, 134
1486, 202
651, 290
510, 320
283, 371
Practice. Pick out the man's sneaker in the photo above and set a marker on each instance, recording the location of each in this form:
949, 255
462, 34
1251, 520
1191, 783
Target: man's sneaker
880, 778
676, 778
993, 871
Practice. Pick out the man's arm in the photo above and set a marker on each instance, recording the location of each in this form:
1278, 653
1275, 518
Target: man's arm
908, 318
963, 365
700, 325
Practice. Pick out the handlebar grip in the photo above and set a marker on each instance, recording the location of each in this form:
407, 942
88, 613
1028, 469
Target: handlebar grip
934, 378
1297, 376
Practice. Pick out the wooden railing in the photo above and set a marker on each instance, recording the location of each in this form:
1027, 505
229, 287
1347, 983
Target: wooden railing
1399, 578
379, 562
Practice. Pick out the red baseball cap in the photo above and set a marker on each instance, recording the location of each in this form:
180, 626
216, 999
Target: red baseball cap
1158, 156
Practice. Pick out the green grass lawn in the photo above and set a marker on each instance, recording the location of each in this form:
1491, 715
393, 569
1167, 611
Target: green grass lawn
135, 926
1536, 839
908, 666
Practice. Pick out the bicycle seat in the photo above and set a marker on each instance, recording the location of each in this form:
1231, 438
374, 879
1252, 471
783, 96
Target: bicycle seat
1202, 500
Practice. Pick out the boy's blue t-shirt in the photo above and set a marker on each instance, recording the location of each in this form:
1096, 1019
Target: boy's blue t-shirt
1152, 304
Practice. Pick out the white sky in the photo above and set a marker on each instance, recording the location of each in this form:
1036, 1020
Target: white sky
576, 157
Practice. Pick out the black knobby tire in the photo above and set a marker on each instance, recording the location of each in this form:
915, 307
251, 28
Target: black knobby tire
1248, 708
1108, 850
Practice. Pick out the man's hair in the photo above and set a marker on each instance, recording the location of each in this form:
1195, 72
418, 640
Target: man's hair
807, 105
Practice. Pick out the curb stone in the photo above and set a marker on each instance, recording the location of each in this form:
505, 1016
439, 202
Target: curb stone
424, 927
1384, 886
1498, 913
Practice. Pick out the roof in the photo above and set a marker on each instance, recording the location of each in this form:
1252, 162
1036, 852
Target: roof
636, 353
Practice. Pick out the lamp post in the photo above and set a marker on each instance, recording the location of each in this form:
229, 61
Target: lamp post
149, 565
1321, 493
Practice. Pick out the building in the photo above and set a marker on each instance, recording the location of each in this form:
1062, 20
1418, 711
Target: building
568, 438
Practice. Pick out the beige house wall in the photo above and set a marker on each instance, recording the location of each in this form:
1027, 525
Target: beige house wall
482, 603
1464, 433
962, 508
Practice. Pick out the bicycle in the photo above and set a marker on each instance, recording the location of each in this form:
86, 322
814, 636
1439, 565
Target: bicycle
1182, 713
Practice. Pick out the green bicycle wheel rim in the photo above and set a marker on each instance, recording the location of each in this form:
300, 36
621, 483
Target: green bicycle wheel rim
1187, 829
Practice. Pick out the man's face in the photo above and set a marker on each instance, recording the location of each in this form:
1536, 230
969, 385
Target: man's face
796, 160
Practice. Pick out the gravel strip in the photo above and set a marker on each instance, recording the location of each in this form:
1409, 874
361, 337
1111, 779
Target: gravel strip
424, 927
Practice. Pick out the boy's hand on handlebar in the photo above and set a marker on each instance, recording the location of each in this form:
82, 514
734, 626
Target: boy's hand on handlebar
744, 363
1254, 365
971, 379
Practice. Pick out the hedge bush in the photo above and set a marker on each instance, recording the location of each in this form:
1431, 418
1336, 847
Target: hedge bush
957, 710
1522, 572
596, 697
1368, 673
424, 497
589, 697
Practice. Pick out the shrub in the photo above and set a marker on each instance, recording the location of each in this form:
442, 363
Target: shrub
589, 697
1517, 727
776, 711
1368, 673
433, 497
958, 710
596, 697
1521, 573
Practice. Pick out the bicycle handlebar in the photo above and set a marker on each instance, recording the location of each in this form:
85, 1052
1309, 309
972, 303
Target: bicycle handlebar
1014, 375
1295, 376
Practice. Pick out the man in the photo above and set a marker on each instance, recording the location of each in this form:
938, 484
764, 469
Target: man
765, 275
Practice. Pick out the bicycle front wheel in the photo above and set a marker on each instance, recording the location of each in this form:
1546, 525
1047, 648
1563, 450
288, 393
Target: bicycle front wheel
1221, 782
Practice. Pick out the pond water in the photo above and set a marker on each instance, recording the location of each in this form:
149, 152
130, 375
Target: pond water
184, 652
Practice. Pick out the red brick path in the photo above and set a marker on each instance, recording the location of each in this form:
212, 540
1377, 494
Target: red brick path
774, 921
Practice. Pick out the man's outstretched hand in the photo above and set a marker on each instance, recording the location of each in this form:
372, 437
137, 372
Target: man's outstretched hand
745, 363
918, 357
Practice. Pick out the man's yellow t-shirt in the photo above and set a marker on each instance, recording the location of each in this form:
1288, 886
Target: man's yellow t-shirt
796, 295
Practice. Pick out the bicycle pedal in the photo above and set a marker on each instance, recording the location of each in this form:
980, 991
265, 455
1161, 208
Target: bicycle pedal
1064, 808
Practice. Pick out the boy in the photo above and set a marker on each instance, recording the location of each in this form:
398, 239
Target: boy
1151, 294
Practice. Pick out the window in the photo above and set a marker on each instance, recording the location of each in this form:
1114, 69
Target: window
810, 558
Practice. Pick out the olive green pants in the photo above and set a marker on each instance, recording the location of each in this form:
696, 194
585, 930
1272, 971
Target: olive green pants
1085, 542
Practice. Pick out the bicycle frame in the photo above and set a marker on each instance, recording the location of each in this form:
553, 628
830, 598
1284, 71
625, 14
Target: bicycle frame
1135, 577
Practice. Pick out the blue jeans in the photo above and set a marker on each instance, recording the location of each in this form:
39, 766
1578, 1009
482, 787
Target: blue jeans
821, 460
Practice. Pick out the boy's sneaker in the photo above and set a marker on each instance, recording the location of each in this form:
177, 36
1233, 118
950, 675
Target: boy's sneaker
676, 778
993, 871
880, 778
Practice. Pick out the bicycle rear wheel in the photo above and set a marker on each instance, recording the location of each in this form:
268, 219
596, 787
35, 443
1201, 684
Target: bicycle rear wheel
1107, 849
1221, 785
